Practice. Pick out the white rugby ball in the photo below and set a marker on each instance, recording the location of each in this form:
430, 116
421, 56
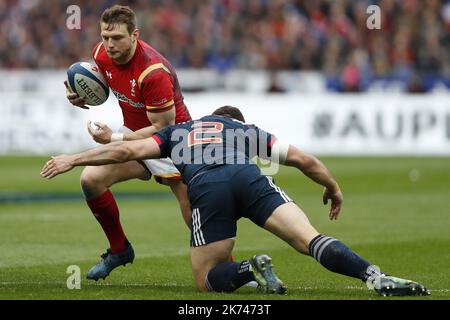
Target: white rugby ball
88, 82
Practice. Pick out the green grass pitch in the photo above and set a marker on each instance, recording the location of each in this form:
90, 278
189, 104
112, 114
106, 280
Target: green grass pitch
396, 214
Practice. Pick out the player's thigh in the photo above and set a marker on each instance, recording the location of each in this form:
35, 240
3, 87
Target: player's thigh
204, 258
179, 189
163, 170
108, 175
290, 223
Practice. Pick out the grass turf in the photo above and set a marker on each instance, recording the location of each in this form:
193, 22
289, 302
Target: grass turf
396, 214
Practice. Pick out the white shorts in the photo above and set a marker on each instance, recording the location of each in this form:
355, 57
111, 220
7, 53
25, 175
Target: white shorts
163, 170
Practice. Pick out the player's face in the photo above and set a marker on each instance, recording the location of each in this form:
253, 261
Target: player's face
118, 42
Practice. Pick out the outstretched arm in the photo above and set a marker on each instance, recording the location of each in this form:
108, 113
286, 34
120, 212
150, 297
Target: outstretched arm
315, 170
103, 134
117, 152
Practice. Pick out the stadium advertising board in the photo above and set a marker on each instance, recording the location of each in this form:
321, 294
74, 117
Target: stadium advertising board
42, 121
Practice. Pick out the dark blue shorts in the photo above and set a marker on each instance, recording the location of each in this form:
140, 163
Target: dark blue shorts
220, 196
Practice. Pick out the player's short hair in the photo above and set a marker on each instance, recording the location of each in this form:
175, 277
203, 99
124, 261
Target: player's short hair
119, 15
230, 112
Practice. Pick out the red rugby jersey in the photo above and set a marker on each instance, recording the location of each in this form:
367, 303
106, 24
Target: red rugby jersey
148, 82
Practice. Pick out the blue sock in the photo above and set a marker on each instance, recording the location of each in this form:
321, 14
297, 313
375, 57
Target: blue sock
337, 257
229, 276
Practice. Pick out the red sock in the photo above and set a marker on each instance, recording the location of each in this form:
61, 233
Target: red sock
105, 210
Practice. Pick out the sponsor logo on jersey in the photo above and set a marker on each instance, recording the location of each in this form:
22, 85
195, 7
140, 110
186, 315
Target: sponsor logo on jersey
124, 98
159, 102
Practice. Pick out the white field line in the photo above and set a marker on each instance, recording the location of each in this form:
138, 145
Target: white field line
98, 284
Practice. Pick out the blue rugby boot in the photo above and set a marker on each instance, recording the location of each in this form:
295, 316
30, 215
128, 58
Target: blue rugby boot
387, 286
110, 261
262, 270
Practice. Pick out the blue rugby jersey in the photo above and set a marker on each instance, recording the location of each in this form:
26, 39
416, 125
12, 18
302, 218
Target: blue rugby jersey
212, 141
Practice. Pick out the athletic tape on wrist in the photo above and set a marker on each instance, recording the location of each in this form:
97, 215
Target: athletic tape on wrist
116, 137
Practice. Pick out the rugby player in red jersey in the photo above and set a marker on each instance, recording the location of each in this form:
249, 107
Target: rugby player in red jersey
150, 97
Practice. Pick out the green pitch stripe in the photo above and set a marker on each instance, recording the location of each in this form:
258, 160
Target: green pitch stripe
15, 197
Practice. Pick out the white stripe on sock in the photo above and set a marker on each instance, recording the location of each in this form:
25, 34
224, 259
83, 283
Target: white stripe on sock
208, 284
323, 248
317, 245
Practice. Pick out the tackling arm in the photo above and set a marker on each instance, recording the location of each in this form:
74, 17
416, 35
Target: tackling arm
103, 134
315, 170
311, 167
107, 154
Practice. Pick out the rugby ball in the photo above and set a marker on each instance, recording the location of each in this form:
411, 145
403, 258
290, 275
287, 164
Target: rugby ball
87, 81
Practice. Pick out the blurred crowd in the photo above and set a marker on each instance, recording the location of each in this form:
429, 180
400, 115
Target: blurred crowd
324, 35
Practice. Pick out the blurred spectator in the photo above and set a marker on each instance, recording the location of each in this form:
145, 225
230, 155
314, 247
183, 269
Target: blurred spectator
274, 83
321, 35
351, 78
415, 85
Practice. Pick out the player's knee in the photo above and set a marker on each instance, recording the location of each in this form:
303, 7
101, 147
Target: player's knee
88, 179
200, 271
202, 286
200, 281
91, 182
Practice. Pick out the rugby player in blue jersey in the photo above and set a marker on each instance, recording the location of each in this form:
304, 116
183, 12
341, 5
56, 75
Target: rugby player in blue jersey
214, 156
